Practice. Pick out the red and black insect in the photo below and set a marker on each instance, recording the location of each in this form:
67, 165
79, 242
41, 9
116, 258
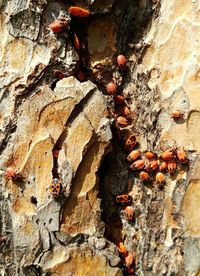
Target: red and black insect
75, 24
59, 25
121, 61
3, 239
123, 198
55, 188
59, 74
78, 12
76, 42
177, 114
78, 38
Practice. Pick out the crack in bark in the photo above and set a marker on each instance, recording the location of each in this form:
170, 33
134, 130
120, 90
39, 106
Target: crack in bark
78, 109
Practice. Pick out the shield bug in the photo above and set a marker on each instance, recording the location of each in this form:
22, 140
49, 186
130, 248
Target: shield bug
182, 156
121, 61
78, 12
176, 114
160, 178
168, 154
129, 213
163, 166
55, 187
130, 142
153, 165
129, 260
111, 88
138, 165
122, 248
171, 166
119, 99
144, 176
58, 26
59, 74
133, 155
123, 198
150, 155
11, 172
125, 111
122, 121
76, 42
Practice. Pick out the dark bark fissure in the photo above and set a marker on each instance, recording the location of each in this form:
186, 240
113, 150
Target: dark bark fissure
114, 174
115, 177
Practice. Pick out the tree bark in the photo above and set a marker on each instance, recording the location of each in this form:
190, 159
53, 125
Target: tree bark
71, 202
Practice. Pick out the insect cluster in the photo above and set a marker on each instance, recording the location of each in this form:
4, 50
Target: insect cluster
127, 257
147, 166
150, 168
73, 29
121, 116
68, 25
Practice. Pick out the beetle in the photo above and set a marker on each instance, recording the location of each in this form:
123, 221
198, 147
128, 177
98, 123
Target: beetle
129, 260
119, 99
59, 74
153, 165
133, 155
76, 42
121, 120
150, 155
121, 61
176, 114
122, 248
138, 165
123, 198
12, 173
55, 187
59, 25
163, 166
168, 154
182, 156
171, 166
144, 176
130, 142
111, 88
160, 178
125, 111
78, 12
129, 212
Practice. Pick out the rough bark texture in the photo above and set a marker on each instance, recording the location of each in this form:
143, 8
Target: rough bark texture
78, 232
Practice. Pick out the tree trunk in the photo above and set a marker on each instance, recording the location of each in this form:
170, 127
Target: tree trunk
71, 201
